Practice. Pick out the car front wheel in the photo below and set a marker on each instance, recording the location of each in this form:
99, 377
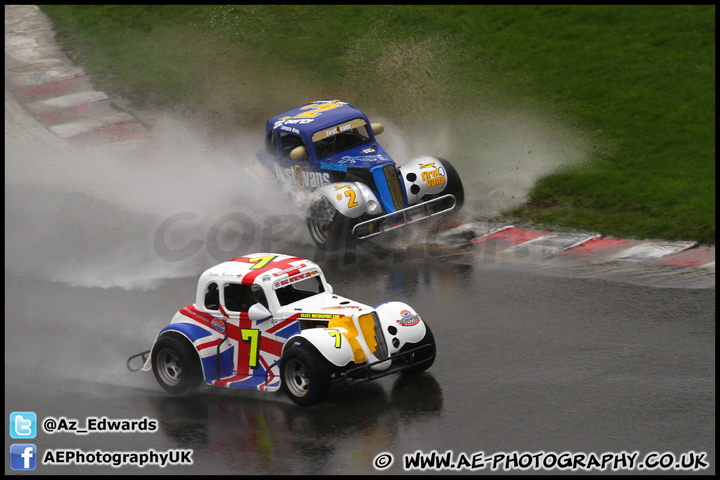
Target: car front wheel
304, 376
423, 359
329, 229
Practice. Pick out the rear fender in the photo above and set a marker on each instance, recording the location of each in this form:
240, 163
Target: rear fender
191, 332
423, 176
352, 199
182, 329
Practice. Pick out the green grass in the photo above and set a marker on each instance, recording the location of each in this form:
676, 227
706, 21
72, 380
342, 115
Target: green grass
635, 83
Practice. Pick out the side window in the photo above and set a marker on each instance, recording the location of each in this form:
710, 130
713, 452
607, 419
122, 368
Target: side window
212, 297
272, 143
288, 142
239, 298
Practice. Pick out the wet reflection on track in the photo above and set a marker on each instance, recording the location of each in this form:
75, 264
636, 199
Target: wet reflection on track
245, 433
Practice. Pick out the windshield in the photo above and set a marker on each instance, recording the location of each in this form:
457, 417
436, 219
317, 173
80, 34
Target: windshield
340, 138
299, 290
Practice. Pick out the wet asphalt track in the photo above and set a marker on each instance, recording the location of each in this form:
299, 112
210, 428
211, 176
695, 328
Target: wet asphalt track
526, 362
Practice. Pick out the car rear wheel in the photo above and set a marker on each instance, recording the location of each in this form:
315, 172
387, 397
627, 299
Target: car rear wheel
176, 364
305, 379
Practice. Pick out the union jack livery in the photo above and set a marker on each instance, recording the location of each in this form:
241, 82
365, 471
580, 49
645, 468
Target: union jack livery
269, 321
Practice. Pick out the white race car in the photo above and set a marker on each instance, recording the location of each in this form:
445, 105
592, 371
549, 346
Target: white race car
268, 321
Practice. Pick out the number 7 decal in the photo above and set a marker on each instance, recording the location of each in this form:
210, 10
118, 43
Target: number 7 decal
337, 335
252, 336
260, 262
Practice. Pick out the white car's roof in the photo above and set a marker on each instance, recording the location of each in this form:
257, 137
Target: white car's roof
257, 268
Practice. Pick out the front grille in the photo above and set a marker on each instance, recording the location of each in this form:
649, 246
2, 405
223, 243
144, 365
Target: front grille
391, 177
372, 332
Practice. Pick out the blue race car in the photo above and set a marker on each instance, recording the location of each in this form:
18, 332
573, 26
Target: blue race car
329, 148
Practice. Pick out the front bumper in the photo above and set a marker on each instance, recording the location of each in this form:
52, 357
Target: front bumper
400, 218
400, 361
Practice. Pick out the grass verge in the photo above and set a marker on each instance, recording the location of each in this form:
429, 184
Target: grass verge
633, 85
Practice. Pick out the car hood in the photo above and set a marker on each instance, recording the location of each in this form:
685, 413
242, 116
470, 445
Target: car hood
323, 306
365, 157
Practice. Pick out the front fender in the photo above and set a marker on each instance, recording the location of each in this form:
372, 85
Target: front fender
352, 199
329, 342
422, 176
408, 326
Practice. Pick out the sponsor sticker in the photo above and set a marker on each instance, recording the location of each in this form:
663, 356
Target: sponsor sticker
217, 325
294, 278
302, 178
363, 158
333, 166
408, 319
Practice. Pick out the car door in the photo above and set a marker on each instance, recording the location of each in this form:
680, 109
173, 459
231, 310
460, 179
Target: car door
256, 347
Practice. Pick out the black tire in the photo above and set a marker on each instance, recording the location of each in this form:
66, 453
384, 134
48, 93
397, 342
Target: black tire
329, 229
176, 364
305, 378
428, 339
322, 219
454, 185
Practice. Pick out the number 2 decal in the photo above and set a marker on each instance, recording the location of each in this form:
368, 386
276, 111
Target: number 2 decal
351, 195
317, 109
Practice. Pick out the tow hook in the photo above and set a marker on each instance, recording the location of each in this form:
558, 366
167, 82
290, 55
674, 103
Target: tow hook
144, 356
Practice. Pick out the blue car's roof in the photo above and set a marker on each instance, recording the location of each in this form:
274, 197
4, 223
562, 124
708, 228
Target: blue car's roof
309, 118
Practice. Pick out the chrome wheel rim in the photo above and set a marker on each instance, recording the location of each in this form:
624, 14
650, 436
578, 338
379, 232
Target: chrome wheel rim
319, 230
168, 365
296, 378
